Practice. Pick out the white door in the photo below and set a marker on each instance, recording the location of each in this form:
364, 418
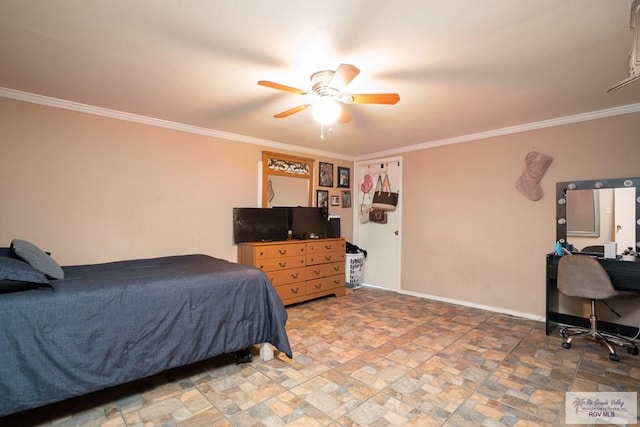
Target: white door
381, 241
625, 217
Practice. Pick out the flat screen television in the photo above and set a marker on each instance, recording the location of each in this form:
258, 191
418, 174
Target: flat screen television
259, 224
308, 222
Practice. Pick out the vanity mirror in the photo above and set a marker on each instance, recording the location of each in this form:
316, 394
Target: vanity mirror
286, 180
597, 211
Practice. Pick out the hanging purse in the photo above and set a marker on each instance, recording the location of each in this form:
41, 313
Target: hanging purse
378, 216
364, 210
367, 183
383, 198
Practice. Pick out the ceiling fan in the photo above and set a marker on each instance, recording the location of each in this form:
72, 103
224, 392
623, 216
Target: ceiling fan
328, 87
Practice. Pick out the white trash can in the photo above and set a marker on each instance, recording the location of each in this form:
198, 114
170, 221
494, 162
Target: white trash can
354, 270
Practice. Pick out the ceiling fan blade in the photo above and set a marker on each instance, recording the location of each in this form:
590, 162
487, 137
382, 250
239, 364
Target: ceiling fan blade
291, 111
344, 117
343, 76
373, 98
279, 86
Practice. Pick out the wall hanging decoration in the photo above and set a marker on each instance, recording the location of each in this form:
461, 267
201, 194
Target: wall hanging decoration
325, 175
346, 198
322, 198
344, 177
536, 165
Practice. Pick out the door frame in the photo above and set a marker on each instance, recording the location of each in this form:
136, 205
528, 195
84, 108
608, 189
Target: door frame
359, 168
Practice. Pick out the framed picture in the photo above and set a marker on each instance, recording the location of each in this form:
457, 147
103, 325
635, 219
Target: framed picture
344, 177
346, 198
335, 200
322, 198
326, 175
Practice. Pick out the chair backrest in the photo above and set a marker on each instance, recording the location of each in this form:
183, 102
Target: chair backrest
583, 276
595, 249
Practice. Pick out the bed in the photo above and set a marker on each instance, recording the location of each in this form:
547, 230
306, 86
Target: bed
108, 324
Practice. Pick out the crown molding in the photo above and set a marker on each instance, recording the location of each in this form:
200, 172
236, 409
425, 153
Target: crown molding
615, 111
151, 121
135, 118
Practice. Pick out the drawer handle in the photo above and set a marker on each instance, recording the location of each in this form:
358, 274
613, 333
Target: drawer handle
282, 264
316, 272
261, 266
282, 251
294, 276
336, 268
318, 285
327, 247
294, 291
337, 281
328, 257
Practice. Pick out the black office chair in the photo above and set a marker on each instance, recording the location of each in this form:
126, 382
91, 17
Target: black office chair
595, 249
583, 276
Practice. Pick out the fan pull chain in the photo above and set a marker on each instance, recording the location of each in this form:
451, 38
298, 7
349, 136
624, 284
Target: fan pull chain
322, 131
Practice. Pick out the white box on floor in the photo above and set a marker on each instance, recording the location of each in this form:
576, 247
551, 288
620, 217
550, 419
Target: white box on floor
610, 249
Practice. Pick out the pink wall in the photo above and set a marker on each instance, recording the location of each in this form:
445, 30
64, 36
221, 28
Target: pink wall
92, 189
470, 235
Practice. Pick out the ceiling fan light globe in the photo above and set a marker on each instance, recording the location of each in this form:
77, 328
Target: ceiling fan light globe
326, 111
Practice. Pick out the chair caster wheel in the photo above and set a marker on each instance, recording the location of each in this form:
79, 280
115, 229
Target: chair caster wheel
632, 350
614, 357
566, 345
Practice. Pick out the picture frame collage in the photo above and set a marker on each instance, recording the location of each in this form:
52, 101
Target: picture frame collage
325, 179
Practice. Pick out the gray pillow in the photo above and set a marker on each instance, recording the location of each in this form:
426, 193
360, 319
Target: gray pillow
16, 275
37, 258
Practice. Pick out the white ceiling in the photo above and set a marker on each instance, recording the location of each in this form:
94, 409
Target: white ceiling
461, 67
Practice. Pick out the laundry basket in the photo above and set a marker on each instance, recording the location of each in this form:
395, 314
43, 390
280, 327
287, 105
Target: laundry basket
354, 270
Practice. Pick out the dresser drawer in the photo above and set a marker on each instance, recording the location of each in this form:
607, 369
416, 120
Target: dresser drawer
323, 246
299, 270
290, 291
326, 283
324, 270
283, 277
275, 264
286, 250
325, 257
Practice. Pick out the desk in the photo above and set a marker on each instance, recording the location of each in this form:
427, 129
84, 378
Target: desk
625, 276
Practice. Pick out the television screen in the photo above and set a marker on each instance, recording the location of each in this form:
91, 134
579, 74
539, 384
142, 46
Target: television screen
259, 224
308, 221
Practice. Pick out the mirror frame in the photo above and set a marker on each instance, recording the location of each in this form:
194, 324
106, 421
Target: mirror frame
561, 201
288, 166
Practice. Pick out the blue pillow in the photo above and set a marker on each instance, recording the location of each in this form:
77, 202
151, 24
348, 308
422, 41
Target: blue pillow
16, 275
5, 252
37, 258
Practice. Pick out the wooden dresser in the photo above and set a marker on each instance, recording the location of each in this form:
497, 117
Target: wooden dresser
299, 270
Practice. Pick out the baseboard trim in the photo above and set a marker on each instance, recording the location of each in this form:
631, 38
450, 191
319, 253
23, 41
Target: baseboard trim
501, 310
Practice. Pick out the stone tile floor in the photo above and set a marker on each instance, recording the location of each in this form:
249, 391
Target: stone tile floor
372, 358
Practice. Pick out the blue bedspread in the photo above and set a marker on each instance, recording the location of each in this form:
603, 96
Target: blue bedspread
107, 324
